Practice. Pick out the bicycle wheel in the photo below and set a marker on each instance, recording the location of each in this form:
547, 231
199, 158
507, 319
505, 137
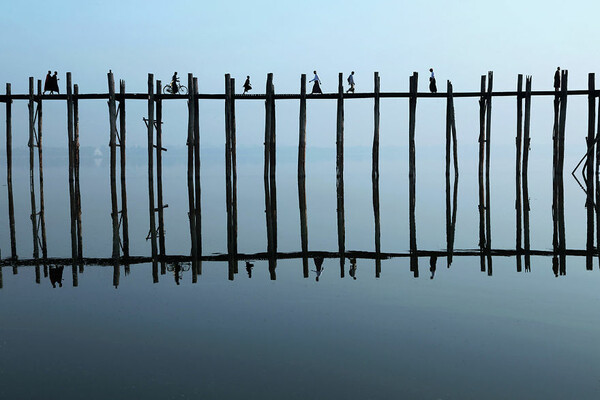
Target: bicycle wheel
167, 89
183, 90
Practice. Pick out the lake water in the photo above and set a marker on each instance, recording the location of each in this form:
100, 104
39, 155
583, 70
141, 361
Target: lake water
461, 335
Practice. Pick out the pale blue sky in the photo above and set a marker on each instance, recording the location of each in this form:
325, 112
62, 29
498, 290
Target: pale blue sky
460, 39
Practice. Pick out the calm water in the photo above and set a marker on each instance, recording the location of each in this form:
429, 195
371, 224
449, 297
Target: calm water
461, 335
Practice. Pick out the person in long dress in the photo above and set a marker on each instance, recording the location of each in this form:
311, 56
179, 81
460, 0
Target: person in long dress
174, 83
557, 79
54, 83
432, 85
48, 83
247, 85
317, 84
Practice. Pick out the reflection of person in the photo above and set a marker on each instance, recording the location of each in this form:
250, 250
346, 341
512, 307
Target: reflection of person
319, 265
174, 83
317, 84
432, 85
48, 83
432, 267
351, 82
54, 83
249, 267
353, 268
55, 274
247, 86
557, 79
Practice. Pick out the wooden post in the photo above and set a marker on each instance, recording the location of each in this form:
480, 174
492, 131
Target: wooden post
122, 147
31, 145
75, 276
526, 148
589, 165
561, 160
340, 174
1, 285
518, 185
11, 207
197, 187
190, 174
555, 151
375, 173
302, 176
412, 174
41, 173
272, 172
234, 226
151, 164
450, 142
70, 123
116, 274
112, 111
268, 122
488, 142
77, 191
228, 181
597, 179
159, 188
482, 107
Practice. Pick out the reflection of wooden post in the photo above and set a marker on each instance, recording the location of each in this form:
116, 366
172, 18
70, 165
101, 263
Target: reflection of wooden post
76, 187
518, 186
112, 111
197, 187
451, 141
302, 176
116, 274
589, 165
1, 284
412, 173
482, 241
71, 167
340, 174
159, 187
190, 174
123, 133
75, 276
41, 171
31, 145
375, 174
11, 207
151, 163
526, 143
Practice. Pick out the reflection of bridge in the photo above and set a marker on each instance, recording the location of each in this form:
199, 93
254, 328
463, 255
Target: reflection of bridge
154, 98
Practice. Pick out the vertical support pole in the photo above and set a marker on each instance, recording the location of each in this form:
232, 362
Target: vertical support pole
151, 207
526, 148
228, 189
112, 111
11, 206
555, 183
267, 161
197, 187
412, 174
234, 226
450, 142
122, 148
375, 173
31, 145
159, 188
488, 143
190, 175
340, 174
302, 176
76, 187
518, 184
589, 165
70, 123
41, 173
482, 108
597, 195
272, 172
116, 274
561, 161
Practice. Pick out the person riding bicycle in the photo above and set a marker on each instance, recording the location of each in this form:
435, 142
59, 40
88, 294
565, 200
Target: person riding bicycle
174, 83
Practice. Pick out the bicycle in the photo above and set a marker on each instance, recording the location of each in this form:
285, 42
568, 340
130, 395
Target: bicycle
180, 89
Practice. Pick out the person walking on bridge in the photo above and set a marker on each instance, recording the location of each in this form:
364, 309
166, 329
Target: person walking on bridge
247, 86
48, 83
432, 85
317, 84
351, 83
174, 83
557, 79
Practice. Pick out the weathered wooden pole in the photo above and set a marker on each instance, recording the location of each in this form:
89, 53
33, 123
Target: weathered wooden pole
228, 180
482, 108
197, 187
561, 160
76, 187
31, 145
375, 172
526, 148
272, 171
267, 161
302, 176
589, 165
450, 143
488, 143
412, 173
234, 225
151, 207
11, 206
112, 111
41, 171
190, 174
555, 151
122, 148
116, 274
340, 173
597, 195
72, 201
159, 186
518, 184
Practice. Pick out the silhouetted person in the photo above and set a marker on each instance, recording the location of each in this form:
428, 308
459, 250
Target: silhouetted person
557, 79
48, 83
249, 267
432, 266
432, 85
55, 274
54, 83
174, 83
352, 271
319, 265
317, 84
247, 85
351, 82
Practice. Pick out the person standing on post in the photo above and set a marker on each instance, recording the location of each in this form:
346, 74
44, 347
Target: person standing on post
317, 84
557, 79
432, 85
174, 83
48, 83
54, 83
247, 86
351, 82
